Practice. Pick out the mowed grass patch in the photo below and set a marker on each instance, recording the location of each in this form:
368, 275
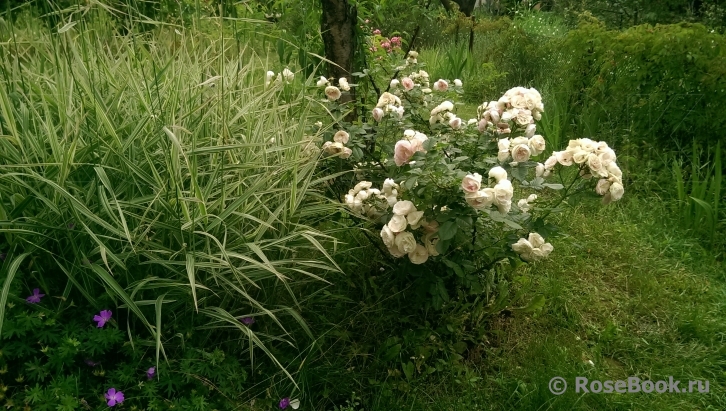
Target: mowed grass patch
626, 296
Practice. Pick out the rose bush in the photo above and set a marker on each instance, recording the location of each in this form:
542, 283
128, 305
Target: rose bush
419, 173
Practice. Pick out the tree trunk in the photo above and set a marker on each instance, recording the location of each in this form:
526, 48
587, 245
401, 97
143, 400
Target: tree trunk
338, 22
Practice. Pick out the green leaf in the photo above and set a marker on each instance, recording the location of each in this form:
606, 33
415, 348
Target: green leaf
448, 230
408, 370
553, 186
535, 305
456, 267
12, 269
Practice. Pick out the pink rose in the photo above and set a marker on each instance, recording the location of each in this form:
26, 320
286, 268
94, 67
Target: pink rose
376, 31
441, 85
377, 114
403, 152
407, 83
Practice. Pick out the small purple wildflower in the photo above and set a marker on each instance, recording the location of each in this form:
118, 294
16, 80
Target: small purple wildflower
35, 298
284, 403
102, 318
247, 320
114, 397
90, 362
151, 372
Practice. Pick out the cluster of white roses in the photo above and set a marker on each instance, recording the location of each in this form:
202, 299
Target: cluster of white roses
600, 162
532, 249
412, 57
499, 196
387, 103
442, 114
287, 76
337, 146
519, 107
401, 242
520, 148
371, 202
411, 143
332, 92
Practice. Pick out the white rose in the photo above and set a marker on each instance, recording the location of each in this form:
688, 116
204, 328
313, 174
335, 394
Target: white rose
388, 236
504, 144
362, 196
532, 198
481, 199
537, 144
504, 206
522, 246
419, 255
403, 208
377, 114
614, 170
546, 249
397, 224
346, 153
536, 240
322, 82
530, 130
332, 92
616, 191
341, 137
268, 77
540, 169
363, 185
482, 125
441, 85
503, 155
288, 75
455, 123
596, 166
607, 156
519, 140
471, 183
498, 173
564, 157
405, 242
414, 219
602, 187
551, 162
523, 205
395, 83
503, 191
524, 117
457, 82
391, 200
580, 156
344, 84
389, 185
521, 153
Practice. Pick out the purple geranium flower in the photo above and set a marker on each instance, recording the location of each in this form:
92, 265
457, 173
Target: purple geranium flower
102, 318
35, 298
247, 320
284, 403
151, 372
114, 397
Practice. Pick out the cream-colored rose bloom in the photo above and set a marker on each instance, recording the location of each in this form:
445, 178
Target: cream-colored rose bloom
614, 170
363, 185
607, 156
398, 223
498, 173
596, 166
509, 114
377, 114
551, 162
332, 93
404, 208
405, 242
519, 140
391, 199
341, 136
588, 145
602, 187
518, 101
407, 83
323, 81
345, 153
524, 117
536, 240
482, 125
547, 249
532, 198
521, 153
343, 83
388, 236
540, 169
414, 219
455, 123
362, 195
530, 130
395, 252
419, 255
504, 207
503, 144
480, 200
537, 144
388, 99
503, 191
616, 191
389, 185
522, 246
502, 156
564, 158
394, 83
580, 156
471, 183
523, 205
457, 83
430, 240
288, 75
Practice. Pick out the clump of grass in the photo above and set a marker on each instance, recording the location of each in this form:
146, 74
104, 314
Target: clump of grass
158, 176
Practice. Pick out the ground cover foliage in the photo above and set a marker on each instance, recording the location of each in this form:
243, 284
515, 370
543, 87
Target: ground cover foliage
149, 170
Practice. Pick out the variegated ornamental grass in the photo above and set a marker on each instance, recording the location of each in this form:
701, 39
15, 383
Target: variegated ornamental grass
156, 168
